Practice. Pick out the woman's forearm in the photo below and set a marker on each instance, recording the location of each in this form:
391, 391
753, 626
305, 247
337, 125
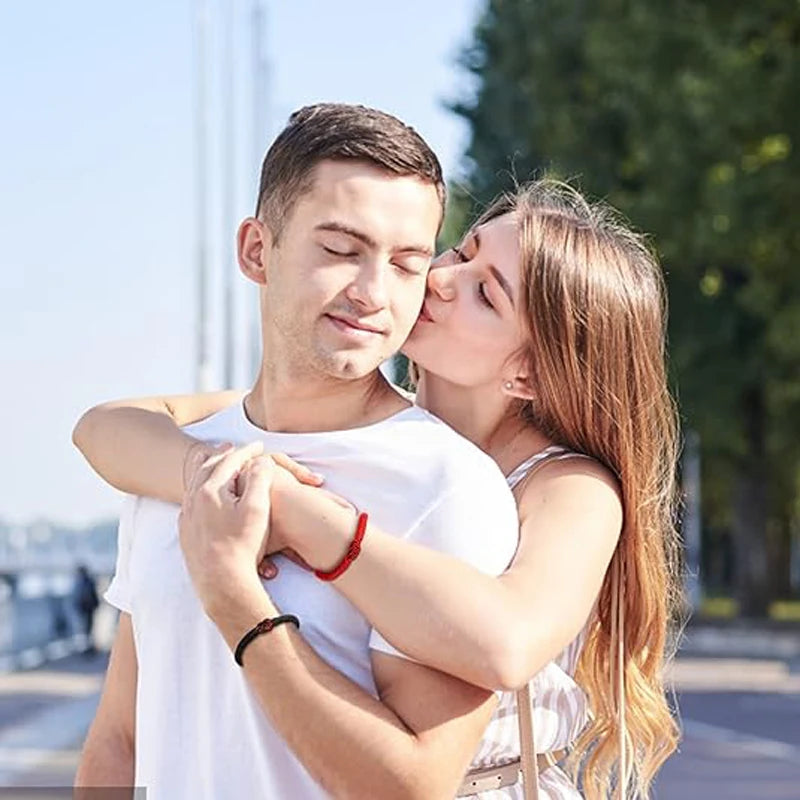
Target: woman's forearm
494, 632
442, 611
434, 607
136, 445
135, 450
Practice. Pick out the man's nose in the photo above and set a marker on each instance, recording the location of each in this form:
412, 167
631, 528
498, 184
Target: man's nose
441, 281
368, 290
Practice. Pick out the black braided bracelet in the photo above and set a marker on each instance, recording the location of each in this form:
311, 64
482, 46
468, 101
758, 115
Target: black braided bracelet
265, 626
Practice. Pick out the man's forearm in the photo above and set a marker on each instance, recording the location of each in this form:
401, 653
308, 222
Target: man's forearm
350, 742
106, 760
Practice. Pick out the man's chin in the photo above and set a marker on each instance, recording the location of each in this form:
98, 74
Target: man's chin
353, 366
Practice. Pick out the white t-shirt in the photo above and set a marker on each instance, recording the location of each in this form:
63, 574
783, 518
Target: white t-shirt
200, 731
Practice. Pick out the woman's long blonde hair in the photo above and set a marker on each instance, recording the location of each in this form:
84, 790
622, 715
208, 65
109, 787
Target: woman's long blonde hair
596, 318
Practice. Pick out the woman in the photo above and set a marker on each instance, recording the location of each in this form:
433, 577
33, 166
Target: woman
541, 339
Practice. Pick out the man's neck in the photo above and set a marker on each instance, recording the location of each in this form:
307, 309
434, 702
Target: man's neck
289, 405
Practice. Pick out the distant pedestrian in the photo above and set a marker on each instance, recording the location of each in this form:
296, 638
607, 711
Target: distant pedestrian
86, 603
61, 626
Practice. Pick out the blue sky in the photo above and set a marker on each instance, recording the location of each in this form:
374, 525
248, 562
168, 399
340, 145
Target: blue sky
97, 223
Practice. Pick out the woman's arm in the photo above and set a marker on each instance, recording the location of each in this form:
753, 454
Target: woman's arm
136, 445
571, 517
570, 521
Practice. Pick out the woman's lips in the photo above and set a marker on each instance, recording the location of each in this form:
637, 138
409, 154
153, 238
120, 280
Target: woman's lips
424, 314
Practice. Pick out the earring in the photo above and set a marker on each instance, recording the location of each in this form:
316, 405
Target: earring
508, 386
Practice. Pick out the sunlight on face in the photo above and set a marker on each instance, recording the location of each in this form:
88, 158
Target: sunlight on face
345, 284
470, 324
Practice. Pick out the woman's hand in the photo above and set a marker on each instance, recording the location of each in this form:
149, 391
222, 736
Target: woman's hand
312, 525
297, 471
288, 474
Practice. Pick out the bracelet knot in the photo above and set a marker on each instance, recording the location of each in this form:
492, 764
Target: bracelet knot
352, 553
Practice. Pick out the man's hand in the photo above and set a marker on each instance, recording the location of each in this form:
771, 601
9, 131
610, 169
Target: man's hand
224, 526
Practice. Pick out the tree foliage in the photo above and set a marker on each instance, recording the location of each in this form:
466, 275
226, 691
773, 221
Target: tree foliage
686, 116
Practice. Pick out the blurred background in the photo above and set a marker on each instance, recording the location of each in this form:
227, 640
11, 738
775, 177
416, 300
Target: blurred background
129, 150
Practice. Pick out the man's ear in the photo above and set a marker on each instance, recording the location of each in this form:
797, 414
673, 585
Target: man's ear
253, 248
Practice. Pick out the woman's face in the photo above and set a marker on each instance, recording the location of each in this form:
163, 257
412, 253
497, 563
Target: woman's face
470, 323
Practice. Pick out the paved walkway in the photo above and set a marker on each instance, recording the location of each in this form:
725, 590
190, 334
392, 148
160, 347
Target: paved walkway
741, 721
44, 716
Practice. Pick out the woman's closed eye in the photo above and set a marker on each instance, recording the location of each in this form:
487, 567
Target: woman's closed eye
483, 295
459, 254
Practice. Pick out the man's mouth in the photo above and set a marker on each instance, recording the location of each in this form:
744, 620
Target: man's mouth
348, 324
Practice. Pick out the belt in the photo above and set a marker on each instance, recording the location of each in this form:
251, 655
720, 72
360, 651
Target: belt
482, 780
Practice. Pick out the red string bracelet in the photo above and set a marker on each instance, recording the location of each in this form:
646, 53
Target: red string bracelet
352, 552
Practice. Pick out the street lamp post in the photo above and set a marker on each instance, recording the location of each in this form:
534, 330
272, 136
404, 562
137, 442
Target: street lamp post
203, 372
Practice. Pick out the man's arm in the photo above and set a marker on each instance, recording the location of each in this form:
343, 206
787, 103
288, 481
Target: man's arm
415, 745
108, 752
415, 742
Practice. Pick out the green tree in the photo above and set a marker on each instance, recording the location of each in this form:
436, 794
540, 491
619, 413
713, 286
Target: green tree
684, 115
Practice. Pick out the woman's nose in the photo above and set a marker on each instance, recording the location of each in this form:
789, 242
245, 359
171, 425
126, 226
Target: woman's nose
440, 280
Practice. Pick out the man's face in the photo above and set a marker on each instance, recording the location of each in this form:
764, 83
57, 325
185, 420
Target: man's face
346, 281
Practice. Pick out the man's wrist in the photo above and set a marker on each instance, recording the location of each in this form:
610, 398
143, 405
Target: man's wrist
236, 612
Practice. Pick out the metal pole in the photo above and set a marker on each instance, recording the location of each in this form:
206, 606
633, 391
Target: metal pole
260, 69
229, 193
692, 521
259, 81
203, 374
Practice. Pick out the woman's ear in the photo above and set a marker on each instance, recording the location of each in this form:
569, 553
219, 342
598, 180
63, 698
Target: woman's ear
518, 387
253, 247
516, 380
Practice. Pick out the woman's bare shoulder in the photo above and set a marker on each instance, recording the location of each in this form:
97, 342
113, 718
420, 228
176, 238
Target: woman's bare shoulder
572, 484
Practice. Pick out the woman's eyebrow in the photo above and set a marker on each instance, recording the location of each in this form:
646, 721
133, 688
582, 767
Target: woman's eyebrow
501, 279
498, 276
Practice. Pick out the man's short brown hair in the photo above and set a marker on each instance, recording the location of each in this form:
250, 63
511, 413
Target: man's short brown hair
338, 132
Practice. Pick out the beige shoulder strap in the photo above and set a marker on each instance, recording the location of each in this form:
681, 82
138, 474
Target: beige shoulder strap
527, 740
528, 763
556, 455
618, 661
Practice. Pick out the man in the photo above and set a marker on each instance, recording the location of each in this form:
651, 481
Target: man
349, 206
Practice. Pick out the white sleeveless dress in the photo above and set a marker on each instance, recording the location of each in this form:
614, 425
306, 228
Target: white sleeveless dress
560, 708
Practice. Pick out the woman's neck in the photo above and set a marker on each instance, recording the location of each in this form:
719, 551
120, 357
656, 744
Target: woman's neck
483, 415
